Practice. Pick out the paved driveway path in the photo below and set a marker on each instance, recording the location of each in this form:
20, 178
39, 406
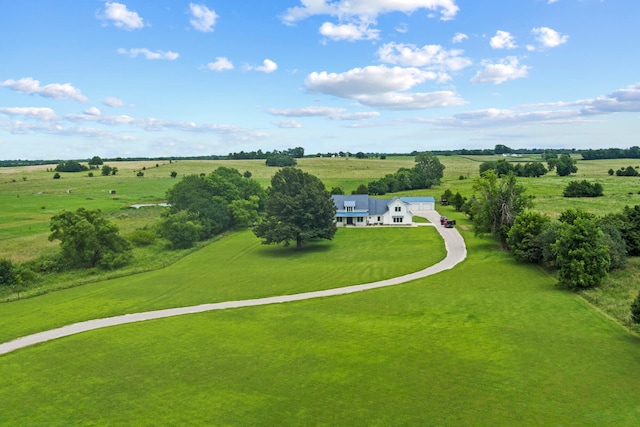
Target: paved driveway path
456, 253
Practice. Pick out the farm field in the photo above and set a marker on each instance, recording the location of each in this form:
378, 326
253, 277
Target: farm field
491, 342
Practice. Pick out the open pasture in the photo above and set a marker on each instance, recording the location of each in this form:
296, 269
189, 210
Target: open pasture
491, 342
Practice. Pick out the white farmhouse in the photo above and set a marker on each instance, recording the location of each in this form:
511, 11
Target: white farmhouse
361, 210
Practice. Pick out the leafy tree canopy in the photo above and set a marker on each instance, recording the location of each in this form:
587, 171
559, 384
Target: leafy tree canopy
565, 165
498, 202
298, 209
582, 260
89, 239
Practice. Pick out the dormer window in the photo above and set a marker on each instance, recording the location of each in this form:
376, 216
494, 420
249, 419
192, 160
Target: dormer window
349, 205
398, 209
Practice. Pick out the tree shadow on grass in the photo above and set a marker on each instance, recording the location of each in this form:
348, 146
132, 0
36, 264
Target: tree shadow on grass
280, 251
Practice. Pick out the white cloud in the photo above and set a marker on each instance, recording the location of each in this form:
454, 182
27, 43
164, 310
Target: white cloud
221, 64
382, 87
366, 10
507, 69
363, 115
412, 101
549, 38
402, 28
620, 101
502, 40
306, 111
160, 54
430, 56
42, 114
366, 81
121, 16
98, 118
111, 101
350, 32
459, 38
268, 66
93, 111
287, 124
203, 19
54, 90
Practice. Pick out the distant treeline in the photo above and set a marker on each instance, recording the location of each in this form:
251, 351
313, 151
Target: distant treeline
612, 153
298, 152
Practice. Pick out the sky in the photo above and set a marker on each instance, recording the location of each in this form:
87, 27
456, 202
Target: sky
139, 78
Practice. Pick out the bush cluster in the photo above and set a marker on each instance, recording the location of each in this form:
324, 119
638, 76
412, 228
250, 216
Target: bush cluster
583, 188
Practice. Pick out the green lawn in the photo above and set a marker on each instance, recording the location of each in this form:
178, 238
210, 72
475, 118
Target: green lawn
491, 342
235, 267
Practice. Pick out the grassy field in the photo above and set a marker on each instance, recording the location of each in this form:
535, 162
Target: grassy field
235, 267
491, 342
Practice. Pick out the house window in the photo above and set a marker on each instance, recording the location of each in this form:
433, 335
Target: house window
339, 219
397, 219
360, 219
379, 219
398, 209
349, 208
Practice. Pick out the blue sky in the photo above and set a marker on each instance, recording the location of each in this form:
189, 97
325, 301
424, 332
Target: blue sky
133, 78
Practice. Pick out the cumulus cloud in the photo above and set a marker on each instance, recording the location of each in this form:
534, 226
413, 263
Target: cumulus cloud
366, 10
430, 56
53, 90
160, 54
549, 38
268, 66
93, 111
37, 113
363, 115
459, 38
382, 87
366, 81
502, 40
507, 69
202, 18
111, 101
412, 101
350, 32
287, 124
220, 64
121, 17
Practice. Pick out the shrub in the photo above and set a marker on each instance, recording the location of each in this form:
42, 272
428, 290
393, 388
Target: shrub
635, 310
56, 176
140, 174
7, 272
582, 189
142, 237
174, 174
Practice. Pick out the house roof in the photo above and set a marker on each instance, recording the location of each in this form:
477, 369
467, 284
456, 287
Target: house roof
424, 199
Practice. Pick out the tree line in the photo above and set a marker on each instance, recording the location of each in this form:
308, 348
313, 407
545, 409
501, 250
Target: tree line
581, 247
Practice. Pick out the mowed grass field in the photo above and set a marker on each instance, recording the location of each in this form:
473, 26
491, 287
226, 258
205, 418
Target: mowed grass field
491, 342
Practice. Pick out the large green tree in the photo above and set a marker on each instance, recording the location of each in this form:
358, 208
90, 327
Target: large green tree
582, 259
566, 165
524, 236
89, 239
222, 200
498, 202
428, 170
298, 209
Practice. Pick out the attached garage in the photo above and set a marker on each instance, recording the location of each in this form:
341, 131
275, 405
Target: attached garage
420, 203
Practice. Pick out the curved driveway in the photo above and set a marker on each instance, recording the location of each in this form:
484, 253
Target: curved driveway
456, 253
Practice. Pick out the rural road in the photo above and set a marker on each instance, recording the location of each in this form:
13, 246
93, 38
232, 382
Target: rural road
456, 253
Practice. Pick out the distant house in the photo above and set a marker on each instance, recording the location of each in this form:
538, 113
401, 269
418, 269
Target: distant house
361, 210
